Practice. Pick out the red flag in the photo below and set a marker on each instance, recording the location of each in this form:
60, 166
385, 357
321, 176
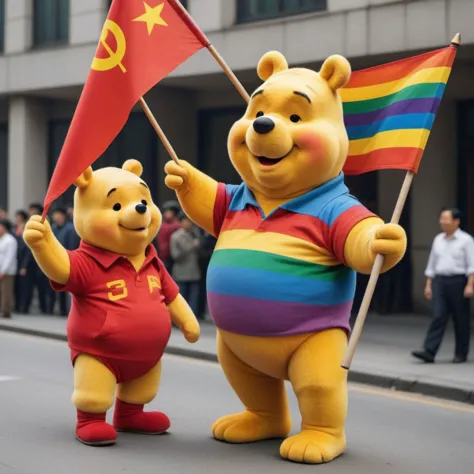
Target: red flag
141, 43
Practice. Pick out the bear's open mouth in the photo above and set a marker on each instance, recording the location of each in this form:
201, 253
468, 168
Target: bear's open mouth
268, 161
263, 160
138, 229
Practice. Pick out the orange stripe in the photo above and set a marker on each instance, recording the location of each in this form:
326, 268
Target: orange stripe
304, 227
403, 158
399, 69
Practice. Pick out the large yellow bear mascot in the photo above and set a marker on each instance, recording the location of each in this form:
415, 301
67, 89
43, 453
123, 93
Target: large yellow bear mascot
123, 305
290, 241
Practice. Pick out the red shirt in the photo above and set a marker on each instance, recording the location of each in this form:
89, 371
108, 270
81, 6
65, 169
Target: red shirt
164, 238
116, 311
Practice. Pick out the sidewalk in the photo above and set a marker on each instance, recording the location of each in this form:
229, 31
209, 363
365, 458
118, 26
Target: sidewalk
382, 357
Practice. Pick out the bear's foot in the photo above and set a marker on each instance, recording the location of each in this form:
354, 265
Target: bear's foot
312, 447
248, 427
92, 430
132, 418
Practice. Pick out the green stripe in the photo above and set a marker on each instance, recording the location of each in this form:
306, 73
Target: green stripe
271, 262
419, 91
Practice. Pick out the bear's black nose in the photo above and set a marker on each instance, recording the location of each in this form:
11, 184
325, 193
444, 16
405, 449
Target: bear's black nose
141, 208
263, 125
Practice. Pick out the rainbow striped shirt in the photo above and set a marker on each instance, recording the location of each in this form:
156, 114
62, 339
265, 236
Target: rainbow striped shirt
284, 273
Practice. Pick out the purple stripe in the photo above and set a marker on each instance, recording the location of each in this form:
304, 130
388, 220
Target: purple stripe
254, 317
410, 106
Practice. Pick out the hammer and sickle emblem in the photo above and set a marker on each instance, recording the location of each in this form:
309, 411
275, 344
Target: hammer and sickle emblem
115, 57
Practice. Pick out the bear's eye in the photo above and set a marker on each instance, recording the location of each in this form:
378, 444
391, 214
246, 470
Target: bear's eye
295, 118
117, 207
259, 114
144, 203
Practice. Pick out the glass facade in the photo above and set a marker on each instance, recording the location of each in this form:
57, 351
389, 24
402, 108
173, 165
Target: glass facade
2, 26
214, 127
3, 166
255, 10
50, 22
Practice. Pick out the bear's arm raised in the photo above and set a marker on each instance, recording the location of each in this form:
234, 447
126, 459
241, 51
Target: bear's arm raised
357, 248
197, 197
53, 260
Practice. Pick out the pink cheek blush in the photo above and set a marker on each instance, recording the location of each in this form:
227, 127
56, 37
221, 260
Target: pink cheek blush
313, 144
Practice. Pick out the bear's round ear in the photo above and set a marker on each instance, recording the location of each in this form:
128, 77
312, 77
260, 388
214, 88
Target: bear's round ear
83, 180
336, 70
271, 63
133, 166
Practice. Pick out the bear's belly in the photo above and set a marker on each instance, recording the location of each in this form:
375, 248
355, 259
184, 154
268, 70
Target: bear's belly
258, 302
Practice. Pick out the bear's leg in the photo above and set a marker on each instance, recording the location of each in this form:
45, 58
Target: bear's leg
94, 388
320, 384
131, 398
266, 414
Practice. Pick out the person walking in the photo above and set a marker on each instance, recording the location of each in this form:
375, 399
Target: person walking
184, 249
450, 285
8, 268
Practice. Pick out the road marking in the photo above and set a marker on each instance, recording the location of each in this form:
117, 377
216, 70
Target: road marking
367, 389
8, 378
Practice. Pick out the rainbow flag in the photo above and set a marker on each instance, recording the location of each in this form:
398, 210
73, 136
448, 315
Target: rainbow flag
389, 111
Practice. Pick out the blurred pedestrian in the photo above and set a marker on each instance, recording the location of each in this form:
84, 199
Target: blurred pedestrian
66, 234
450, 284
3, 213
21, 217
8, 268
169, 225
184, 249
33, 276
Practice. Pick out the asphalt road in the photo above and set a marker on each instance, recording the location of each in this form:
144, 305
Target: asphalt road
387, 432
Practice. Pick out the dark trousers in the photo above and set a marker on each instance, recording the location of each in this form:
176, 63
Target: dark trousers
190, 292
448, 299
64, 302
34, 278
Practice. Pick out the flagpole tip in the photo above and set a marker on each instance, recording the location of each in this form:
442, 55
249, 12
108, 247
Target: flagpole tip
456, 41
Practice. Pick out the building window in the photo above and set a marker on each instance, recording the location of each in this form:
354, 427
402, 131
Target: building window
2, 25
183, 2
50, 22
136, 140
255, 10
3, 166
213, 157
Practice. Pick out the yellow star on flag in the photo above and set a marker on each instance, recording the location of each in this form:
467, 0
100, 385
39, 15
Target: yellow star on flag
152, 16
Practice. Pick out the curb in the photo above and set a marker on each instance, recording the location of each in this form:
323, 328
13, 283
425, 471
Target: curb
383, 381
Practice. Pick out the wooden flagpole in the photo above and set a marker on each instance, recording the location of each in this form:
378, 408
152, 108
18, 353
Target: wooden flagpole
379, 259
186, 17
225, 67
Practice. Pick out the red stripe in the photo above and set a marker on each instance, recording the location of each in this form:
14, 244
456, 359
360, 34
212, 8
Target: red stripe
396, 158
341, 227
220, 208
301, 226
399, 69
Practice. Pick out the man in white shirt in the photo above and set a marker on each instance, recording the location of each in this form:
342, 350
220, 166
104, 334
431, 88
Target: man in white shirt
8, 268
450, 284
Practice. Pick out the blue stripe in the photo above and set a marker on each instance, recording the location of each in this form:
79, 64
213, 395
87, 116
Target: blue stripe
265, 285
397, 122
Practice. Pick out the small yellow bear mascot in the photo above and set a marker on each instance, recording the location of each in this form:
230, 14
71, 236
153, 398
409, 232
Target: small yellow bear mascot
123, 298
290, 241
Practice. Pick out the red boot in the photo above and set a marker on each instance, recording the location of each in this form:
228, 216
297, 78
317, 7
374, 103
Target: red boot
128, 417
91, 429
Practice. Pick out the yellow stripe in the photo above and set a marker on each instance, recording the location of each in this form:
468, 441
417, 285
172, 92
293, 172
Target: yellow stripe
430, 75
416, 138
279, 244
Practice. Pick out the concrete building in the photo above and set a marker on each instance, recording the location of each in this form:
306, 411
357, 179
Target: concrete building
47, 47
